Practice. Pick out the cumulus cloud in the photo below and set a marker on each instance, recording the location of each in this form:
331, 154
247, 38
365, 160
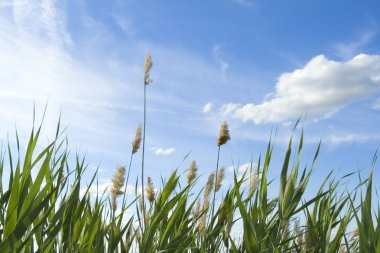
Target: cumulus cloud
162, 151
207, 107
319, 89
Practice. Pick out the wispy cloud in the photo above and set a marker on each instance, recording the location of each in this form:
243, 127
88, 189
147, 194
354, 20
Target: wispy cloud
349, 49
223, 65
319, 89
162, 151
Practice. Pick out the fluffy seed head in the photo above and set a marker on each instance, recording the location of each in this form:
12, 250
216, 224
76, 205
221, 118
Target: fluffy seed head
356, 232
137, 140
219, 179
117, 184
192, 173
307, 240
298, 232
147, 67
197, 208
209, 185
224, 134
253, 183
150, 194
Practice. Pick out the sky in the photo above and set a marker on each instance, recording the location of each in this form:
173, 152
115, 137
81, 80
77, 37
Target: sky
259, 65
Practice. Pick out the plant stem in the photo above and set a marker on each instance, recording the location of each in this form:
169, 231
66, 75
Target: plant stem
216, 176
143, 155
126, 183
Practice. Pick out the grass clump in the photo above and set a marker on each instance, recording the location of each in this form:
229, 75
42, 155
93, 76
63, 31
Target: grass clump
50, 212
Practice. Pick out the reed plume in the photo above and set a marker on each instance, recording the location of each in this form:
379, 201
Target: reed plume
219, 179
117, 184
147, 67
224, 134
253, 183
137, 140
150, 194
209, 185
192, 173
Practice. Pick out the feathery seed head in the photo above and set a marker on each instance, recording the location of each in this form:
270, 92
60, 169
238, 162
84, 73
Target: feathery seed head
150, 194
219, 179
147, 67
307, 239
253, 183
356, 232
192, 172
117, 184
137, 140
197, 208
209, 185
224, 134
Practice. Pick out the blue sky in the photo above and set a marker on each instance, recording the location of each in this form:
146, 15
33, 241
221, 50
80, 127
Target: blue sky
257, 64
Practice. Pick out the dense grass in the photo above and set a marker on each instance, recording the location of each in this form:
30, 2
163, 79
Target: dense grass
48, 212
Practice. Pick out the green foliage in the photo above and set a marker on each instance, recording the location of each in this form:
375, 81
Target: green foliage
48, 211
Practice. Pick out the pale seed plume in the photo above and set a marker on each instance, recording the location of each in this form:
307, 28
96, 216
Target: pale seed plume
219, 179
147, 67
307, 240
209, 185
253, 183
137, 140
150, 194
356, 232
224, 134
298, 233
192, 173
117, 184
197, 208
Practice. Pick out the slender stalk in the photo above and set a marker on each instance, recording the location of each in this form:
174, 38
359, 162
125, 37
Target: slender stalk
126, 183
216, 174
143, 156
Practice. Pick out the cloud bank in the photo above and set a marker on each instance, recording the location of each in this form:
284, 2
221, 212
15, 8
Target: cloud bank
319, 89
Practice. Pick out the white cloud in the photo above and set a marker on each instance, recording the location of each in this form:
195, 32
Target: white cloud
349, 138
319, 89
207, 107
163, 151
244, 168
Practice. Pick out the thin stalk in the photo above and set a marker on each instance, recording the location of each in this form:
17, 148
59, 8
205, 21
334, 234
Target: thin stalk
143, 156
126, 183
216, 175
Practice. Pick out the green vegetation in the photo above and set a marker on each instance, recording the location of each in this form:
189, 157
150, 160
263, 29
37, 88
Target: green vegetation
47, 212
